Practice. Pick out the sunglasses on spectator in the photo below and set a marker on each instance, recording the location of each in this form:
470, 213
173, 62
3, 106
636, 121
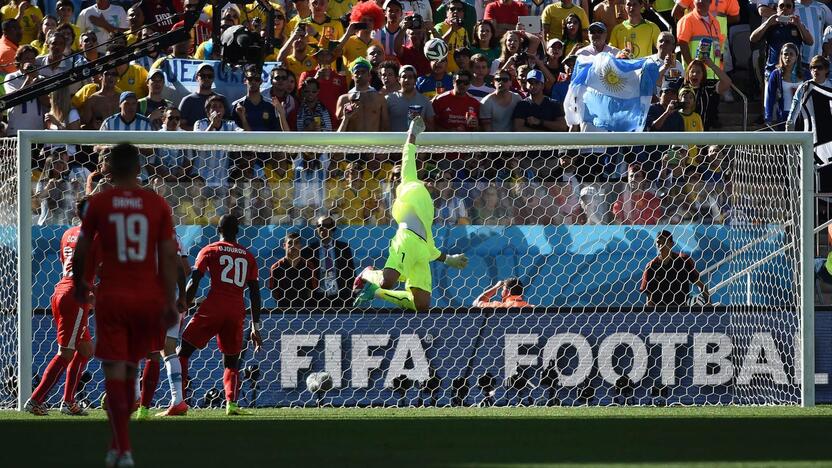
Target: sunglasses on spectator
326, 226
463, 82
504, 79
254, 78
457, 9
279, 17
207, 76
111, 74
280, 77
174, 118
785, 6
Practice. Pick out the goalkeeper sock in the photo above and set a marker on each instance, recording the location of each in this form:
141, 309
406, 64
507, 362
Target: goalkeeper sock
150, 380
73, 375
373, 276
56, 366
403, 299
174, 370
230, 380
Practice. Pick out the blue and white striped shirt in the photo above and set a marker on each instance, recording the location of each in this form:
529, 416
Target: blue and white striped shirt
115, 122
213, 165
815, 16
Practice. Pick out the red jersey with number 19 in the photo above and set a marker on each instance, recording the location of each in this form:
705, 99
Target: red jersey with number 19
231, 266
130, 225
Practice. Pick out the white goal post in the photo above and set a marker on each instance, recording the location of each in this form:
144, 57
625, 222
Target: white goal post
801, 237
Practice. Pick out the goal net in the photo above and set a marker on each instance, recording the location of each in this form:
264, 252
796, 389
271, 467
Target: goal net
573, 218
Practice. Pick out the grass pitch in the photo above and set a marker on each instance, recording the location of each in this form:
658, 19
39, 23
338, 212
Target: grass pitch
460, 437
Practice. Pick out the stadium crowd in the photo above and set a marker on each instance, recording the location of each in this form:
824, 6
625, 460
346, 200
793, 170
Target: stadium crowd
361, 66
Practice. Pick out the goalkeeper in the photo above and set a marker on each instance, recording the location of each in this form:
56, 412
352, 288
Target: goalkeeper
412, 248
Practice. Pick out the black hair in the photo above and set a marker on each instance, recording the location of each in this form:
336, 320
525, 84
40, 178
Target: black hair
665, 234
124, 160
229, 226
514, 286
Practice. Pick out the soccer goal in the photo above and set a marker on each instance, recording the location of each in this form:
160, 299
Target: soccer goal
573, 217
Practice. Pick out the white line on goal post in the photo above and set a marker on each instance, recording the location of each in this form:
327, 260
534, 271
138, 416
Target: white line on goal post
463, 140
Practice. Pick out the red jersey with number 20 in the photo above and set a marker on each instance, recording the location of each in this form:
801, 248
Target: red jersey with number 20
231, 266
130, 224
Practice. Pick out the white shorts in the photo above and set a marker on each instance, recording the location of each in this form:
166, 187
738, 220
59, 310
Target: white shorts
174, 331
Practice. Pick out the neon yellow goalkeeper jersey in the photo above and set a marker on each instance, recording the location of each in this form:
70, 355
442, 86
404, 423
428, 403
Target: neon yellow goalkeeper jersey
413, 207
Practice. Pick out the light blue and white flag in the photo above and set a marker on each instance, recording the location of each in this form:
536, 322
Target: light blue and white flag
611, 94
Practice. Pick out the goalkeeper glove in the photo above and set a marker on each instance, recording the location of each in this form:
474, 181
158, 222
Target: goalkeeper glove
417, 126
459, 261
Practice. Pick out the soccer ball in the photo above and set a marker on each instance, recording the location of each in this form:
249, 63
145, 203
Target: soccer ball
436, 49
319, 381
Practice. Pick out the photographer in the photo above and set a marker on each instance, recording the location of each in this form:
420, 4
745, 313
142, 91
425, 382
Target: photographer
413, 52
365, 18
664, 116
779, 29
453, 32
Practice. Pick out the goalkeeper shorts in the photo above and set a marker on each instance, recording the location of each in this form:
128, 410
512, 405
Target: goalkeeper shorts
410, 256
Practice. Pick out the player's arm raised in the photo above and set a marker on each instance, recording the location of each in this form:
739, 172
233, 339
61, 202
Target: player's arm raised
254, 297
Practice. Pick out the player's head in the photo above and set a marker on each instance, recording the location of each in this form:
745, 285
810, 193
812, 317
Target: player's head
324, 227
292, 245
124, 163
512, 287
80, 207
229, 227
664, 243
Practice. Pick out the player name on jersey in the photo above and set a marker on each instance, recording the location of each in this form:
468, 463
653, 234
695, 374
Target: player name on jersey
133, 203
232, 249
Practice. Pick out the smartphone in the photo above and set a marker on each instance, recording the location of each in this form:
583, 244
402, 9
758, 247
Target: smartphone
784, 19
530, 24
360, 26
356, 96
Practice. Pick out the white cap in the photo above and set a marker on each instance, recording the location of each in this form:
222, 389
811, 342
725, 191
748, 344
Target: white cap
827, 34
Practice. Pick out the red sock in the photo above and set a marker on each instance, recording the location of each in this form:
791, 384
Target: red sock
183, 362
73, 375
119, 399
150, 380
56, 366
230, 380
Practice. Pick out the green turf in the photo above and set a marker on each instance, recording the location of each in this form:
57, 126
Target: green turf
464, 437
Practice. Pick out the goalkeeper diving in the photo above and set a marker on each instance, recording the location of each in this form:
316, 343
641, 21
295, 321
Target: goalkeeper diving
412, 248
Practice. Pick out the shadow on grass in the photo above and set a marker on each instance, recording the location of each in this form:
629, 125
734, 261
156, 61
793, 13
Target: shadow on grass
425, 442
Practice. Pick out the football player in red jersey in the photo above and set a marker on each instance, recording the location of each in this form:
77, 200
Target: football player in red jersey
136, 298
74, 340
223, 312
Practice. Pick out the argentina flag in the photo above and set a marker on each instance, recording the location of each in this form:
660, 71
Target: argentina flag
611, 94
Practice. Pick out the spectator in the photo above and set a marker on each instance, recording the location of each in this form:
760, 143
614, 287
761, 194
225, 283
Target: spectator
637, 36
89, 41
68, 32
336, 269
282, 89
827, 43
29, 17
698, 34
9, 43
423, 9
99, 179
538, 112
664, 116
510, 45
368, 106
637, 204
332, 84
668, 277
171, 163
61, 115
691, 118
47, 25
453, 32
365, 18
597, 41
486, 41
497, 110
782, 85
393, 32
665, 57
14, 80
554, 15
491, 208
815, 16
438, 81
213, 166
511, 292
65, 10
411, 50
310, 174
159, 15
152, 105
28, 115
479, 74
707, 91
399, 103
456, 110
819, 68
505, 14
54, 62
322, 24
312, 115
462, 57
135, 23
574, 34
610, 12
101, 104
303, 11
261, 116
375, 54
389, 75
777, 32
554, 59
353, 199
53, 191
294, 53
196, 208
103, 19
128, 118
450, 208
725, 11
194, 104
292, 279
470, 16
230, 16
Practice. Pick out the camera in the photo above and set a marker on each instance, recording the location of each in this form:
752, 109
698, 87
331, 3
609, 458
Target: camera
784, 19
679, 105
360, 26
521, 57
301, 29
417, 21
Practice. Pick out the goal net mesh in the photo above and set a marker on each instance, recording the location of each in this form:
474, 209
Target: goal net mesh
576, 226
